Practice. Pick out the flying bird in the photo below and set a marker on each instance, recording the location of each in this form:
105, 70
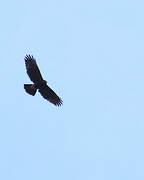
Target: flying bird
38, 82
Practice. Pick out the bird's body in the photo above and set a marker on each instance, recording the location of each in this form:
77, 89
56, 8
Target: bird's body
39, 83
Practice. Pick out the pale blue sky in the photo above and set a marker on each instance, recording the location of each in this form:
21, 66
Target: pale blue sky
91, 54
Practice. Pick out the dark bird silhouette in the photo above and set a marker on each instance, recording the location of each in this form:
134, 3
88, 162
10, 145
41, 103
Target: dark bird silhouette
39, 83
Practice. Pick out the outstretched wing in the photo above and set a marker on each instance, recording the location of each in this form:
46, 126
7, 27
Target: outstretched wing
32, 69
50, 95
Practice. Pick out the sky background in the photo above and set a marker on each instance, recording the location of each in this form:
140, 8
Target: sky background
92, 54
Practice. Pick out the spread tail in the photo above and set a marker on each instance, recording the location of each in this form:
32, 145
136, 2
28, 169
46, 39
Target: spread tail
30, 89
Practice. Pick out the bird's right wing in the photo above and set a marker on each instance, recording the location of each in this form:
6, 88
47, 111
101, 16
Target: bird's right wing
32, 69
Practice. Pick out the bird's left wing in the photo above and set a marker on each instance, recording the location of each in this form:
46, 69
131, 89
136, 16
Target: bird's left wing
50, 95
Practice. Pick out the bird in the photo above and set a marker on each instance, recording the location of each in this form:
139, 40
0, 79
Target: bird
39, 83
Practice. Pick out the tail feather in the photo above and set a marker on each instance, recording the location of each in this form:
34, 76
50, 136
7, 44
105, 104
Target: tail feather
30, 89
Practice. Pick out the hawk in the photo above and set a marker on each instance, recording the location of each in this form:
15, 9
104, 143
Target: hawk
39, 83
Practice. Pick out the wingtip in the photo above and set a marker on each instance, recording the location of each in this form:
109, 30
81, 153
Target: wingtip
60, 103
28, 57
